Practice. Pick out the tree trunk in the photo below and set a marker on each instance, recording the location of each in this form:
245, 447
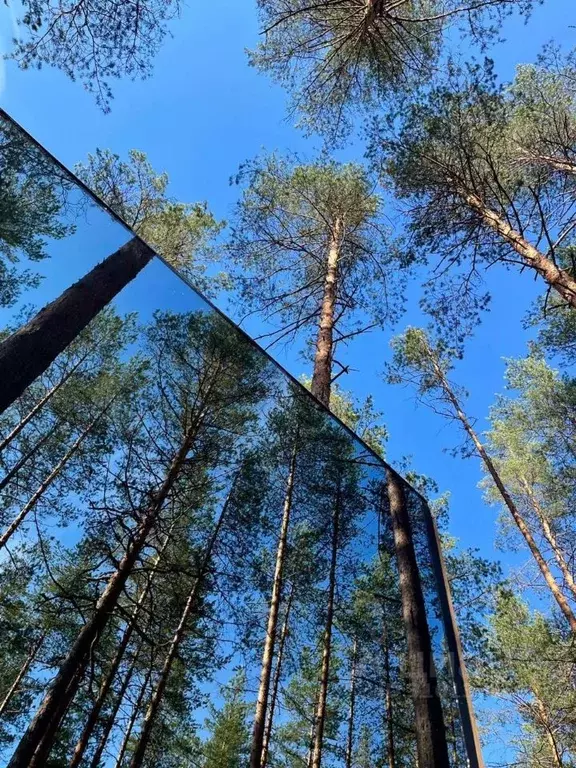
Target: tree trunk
26, 457
429, 721
156, 699
320, 719
544, 719
62, 687
20, 676
111, 717
508, 501
276, 682
39, 405
47, 482
322, 375
82, 742
550, 537
557, 278
28, 352
44, 748
135, 710
272, 627
388, 702
352, 710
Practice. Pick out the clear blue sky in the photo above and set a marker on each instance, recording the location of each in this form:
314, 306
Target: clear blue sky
202, 113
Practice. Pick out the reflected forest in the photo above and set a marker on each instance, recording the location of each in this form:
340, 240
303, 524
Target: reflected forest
199, 566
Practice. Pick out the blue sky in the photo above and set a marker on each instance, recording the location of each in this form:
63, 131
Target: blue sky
201, 114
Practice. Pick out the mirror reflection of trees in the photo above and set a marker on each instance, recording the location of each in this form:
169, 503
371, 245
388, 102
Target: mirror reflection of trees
198, 565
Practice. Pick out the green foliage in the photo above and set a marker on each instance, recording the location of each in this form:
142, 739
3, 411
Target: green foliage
455, 157
284, 224
32, 195
179, 232
105, 40
228, 745
335, 57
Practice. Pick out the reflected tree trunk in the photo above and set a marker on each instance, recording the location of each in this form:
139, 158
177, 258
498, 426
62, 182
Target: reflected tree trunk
320, 719
352, 710
179, 634
116, 662
50, 478
256, 752
388, 701
39, 405
28, 352
62, 688
276, 681
429, 720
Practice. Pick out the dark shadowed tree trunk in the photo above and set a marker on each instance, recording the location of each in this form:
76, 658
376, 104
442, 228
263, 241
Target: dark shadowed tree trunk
28, 352
429, 720
272, 625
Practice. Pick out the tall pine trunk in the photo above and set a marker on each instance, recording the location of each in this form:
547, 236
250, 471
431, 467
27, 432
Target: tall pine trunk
322, 375
132, 722
320, 719
21, 675
550, 537
28, 352
352, 709
276, 682
272, 625
543, 717
558, 279
179, 634
44, 748
24, 459
62, 688
431, 743
521, 524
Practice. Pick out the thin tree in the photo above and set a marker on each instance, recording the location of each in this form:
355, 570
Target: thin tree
418, 362
320, 715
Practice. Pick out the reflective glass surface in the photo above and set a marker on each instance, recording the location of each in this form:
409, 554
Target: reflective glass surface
165, 487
